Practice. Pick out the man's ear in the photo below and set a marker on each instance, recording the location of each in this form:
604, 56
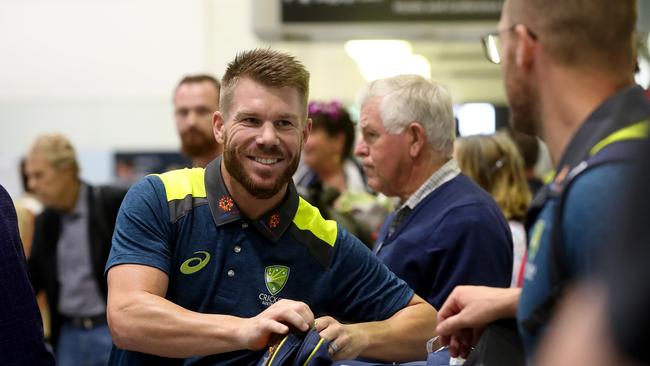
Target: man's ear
306, 131
526, 47
417, 138
218, 127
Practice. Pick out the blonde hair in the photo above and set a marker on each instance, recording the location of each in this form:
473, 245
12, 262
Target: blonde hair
494, 163
58, 151
268, 67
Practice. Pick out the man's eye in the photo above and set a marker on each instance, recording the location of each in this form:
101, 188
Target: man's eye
204, 111
283, 123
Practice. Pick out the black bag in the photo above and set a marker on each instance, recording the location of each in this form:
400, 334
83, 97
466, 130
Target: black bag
499, 345
298, 349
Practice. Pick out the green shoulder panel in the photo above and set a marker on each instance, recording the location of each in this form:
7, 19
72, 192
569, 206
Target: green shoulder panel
316, 233
185, 189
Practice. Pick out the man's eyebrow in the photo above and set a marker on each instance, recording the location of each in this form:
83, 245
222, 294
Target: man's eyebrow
288, 116
242, 114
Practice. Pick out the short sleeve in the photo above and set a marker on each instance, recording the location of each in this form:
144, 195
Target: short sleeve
143, 229
363, 289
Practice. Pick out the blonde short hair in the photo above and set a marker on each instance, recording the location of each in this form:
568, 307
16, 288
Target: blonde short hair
267, 67
57, 150
494, 163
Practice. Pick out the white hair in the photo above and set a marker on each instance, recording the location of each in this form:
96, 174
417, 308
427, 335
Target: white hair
412, 98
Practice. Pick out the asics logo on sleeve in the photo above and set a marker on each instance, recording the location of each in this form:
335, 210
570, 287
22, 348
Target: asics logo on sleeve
195, 264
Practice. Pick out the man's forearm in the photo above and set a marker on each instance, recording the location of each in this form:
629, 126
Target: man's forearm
151, 324
402, 337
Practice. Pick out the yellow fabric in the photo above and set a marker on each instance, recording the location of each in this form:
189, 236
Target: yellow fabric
275, 350
313, 352
309, 218
183, 182
636, 131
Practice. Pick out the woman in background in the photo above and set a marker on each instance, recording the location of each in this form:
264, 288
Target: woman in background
495, 164
331, 179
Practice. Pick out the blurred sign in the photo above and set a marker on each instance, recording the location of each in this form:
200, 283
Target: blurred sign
131, 166
324, 20
300, 11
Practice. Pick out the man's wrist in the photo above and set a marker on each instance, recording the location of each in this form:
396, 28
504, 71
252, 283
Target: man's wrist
509, 302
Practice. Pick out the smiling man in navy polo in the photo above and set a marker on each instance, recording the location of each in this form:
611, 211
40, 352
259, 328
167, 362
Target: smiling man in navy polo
208, 265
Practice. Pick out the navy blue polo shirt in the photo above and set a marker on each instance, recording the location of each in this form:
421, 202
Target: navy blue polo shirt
186, 224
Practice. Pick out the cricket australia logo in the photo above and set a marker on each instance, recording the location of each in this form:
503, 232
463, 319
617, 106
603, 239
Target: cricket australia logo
275, 278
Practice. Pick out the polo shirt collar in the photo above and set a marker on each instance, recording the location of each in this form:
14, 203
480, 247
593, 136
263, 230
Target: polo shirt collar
224, 209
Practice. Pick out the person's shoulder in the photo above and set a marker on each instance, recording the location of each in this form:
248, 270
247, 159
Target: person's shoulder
461, 190
312, 230
6, 204
462, 196
180, 183
605, 181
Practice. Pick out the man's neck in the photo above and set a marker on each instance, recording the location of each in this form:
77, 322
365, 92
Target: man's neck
203, 160
422, 169
567, 100
71, 196
248, 204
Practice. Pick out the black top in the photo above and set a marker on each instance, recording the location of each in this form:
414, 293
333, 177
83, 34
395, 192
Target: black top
21, 330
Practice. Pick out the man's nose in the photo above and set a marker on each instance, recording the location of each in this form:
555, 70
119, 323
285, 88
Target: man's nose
33, 185
192, 118
361, 149
268, 135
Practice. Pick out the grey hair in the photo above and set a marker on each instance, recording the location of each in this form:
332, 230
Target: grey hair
57, 150
412, 98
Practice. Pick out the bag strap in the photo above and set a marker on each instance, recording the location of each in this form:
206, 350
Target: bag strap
624, 145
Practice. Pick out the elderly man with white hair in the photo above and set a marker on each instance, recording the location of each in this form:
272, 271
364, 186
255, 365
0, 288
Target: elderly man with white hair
447, 231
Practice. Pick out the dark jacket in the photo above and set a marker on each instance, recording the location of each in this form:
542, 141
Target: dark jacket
21, 327
103, 204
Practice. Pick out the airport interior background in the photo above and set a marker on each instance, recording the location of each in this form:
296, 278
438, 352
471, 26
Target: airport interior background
102, 72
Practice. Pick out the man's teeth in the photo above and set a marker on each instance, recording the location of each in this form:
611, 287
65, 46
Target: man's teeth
266, 161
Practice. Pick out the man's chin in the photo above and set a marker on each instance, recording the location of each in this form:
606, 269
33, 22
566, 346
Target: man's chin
263, 191
374, 186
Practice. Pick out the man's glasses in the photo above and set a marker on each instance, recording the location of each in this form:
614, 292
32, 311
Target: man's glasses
492, 43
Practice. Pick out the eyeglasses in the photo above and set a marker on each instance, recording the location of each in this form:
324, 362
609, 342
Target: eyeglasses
492, 43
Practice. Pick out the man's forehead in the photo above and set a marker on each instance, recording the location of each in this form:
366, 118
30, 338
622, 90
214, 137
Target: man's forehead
35, 160
191, 91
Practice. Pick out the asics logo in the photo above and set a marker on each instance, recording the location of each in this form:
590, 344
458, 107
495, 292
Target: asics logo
195, 264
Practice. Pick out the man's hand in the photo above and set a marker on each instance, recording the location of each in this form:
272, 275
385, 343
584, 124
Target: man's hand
345, 343
279, 318
468, 310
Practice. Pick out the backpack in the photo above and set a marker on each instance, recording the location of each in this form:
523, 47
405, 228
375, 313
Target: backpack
624, 145
298, 349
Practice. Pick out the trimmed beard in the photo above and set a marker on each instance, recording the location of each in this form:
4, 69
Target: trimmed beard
524, 101
236, 170
195, 143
